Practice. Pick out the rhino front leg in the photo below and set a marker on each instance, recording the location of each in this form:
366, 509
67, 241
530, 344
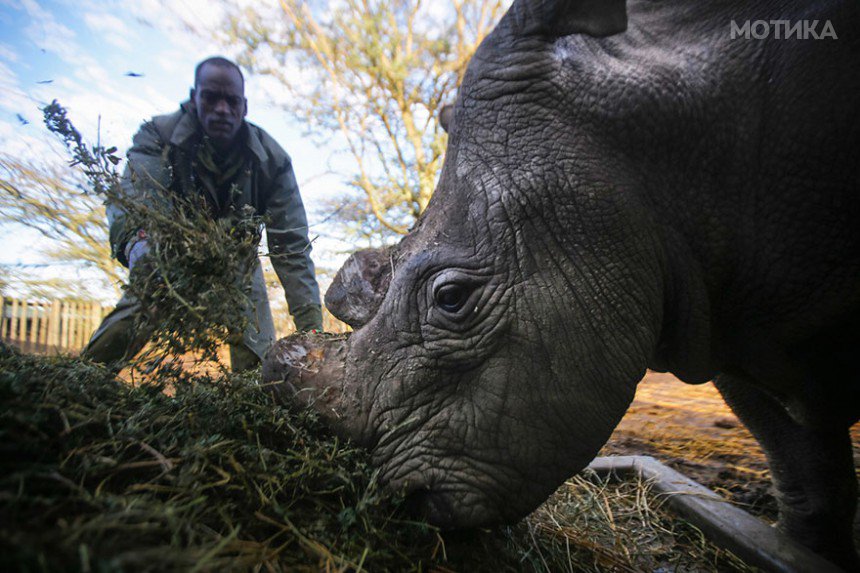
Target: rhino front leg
812, 470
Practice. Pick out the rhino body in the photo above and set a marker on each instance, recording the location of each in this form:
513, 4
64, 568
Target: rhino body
624, 187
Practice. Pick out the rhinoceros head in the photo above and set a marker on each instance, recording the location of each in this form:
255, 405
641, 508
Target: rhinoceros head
497, 346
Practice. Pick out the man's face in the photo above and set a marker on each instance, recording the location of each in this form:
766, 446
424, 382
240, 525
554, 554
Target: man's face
220, 101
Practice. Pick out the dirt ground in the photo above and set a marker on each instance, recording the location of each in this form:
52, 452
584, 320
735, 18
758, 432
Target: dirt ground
690, 429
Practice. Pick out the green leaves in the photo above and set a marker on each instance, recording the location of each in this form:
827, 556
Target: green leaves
96, 162
194, 283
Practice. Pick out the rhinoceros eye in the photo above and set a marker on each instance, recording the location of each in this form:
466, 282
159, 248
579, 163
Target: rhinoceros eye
452, 297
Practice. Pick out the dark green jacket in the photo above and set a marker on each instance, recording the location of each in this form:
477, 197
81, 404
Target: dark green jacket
162, 154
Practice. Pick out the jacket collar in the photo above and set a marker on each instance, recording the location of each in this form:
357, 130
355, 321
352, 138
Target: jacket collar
188, 129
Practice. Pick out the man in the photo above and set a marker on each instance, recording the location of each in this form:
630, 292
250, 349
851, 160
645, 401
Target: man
207, 148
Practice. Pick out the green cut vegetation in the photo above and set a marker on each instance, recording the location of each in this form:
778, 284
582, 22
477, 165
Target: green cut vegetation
213, 475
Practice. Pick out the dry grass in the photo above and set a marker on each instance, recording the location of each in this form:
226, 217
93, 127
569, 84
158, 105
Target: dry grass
96, 475
691, 429
625, 527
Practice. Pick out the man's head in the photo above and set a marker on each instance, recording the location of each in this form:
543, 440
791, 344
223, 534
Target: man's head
219, 98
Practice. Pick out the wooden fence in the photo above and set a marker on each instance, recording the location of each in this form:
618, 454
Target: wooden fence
49, 327
65, 326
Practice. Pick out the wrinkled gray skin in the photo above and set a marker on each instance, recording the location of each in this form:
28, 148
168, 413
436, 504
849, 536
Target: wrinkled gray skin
663, 196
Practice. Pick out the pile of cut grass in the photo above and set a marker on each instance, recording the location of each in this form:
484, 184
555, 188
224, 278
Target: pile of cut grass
97, 475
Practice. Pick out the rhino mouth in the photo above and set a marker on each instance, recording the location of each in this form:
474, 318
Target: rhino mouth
451, 509
449, 503
431, 506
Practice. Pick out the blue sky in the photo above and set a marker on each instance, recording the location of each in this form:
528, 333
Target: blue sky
80, 53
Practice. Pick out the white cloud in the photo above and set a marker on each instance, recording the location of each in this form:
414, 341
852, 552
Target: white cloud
176, 62
47, 33
93, 75
157, 102
100, 115
8, 54
23, 141
199, 15
103, 22
111, 28
14, 99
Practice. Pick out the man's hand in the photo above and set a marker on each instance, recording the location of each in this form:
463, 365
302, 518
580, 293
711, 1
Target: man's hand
136, 248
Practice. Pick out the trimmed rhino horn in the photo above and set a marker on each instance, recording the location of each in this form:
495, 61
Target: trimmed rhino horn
557, 18
360, 286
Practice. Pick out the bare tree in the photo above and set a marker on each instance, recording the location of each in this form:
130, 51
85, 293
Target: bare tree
371, 75
50, 200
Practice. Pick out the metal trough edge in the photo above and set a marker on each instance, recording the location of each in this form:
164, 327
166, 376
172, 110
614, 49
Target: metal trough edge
726, 525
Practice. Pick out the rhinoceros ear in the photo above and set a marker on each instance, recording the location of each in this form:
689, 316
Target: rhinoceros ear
557, 18
446, 114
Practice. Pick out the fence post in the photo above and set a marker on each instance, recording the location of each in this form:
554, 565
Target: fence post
86, 320
24, 336
54, 326
21, 337
14, 321
64, 328
32, 325
96, 317
44, 325
35, 310
74, 324
83, 324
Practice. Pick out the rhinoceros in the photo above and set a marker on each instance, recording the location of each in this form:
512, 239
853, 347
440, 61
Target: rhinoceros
667, 184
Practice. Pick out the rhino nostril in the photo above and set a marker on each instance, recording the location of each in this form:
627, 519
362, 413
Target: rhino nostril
283, 366
307, 369
279, 381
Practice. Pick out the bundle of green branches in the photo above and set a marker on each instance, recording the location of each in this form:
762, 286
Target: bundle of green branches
96, 475
193, 284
